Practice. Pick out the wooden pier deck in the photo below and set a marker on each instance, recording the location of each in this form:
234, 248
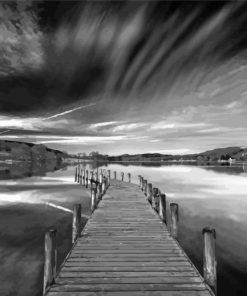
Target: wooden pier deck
126, 250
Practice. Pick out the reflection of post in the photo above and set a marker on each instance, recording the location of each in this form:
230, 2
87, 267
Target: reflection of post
209, 258
50, 259
76, 222
174, 220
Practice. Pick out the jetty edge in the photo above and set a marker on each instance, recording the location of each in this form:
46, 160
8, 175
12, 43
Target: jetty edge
126, 247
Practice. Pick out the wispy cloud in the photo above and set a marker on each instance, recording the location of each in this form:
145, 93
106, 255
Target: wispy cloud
70, 111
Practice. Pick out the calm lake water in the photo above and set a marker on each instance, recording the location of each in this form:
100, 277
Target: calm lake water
213, 196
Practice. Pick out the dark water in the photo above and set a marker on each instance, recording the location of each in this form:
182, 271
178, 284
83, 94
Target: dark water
208, 196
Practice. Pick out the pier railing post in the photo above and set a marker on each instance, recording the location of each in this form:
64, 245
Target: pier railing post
99, 191
76, 226
174, 220
141, 183
139, 179
101, 177
209, 258
86, 178
109, 173
50, 259
93, 199
122, 175
129, 177
149, 192
76, 174
162, 207
115, 175
83, 178
156, 199
80, 176
104, 186
91, 179
145, 182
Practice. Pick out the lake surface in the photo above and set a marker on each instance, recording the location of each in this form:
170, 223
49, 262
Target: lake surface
213, 196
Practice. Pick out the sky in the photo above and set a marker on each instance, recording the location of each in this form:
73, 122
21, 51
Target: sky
124, 77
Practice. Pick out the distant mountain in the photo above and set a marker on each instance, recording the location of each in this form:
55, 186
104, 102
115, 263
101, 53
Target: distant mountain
237, 153
12, 150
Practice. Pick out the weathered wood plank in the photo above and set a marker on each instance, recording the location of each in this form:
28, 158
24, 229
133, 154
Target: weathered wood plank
134, 293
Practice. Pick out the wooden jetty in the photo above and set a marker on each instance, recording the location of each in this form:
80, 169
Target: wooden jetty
126, 249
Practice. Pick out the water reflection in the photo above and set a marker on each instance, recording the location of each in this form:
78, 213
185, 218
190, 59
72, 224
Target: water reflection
213, 196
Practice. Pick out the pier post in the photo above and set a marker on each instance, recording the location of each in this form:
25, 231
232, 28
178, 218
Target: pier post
101, 177
50, 259
115, 175
76, 174
141, 182
156, 199
83, 178
99, 191
108, 181
86, 178
93, 196
80, 176
209, 258
109, 173
174, 220
162, 207
91, 179
122, 175
104, 187
150, 192
76, 225
145, 182
129, 177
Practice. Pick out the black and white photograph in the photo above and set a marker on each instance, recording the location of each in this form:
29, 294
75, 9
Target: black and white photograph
123, 148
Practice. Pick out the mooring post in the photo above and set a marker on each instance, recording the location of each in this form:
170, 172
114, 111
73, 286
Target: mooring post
99, 191
145, 187
156, 199
93, 196
86, 178
76, 174
83, 178
174, 220
129, 177
122, 175
141, 182
101, 177
162, 207
104, 186
115, 175
149, 192
50, 259
76, 225
209, 258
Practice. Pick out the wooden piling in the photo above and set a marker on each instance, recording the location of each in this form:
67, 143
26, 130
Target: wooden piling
129, 177
75, 174
141, 182
101, 177
122, 176
83, 178
78, 174
209, 258
145, 183
99, 191
76, 225
174, 220
139, 179
109, 173
93, 197
162, 207
149, 192
86, 178
91, 179
155, 201
108, 181
50, 259
115, 175
104, 187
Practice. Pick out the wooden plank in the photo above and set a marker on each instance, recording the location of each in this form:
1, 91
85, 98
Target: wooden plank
128, 287
134, 293
181, 267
